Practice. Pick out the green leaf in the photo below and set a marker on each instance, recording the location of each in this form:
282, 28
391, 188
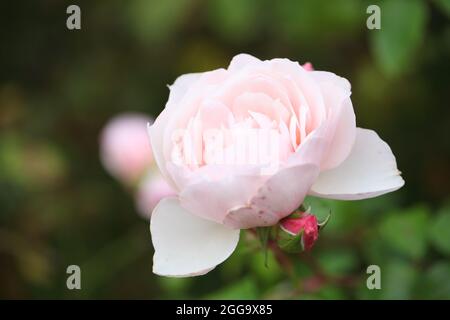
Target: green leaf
402, 32
439, 231
406, 231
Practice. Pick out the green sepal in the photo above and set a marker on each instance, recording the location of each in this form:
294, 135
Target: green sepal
322, 224
294, 215
264, 236
291, 243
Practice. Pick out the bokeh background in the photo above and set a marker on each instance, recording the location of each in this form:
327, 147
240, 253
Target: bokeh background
58, 88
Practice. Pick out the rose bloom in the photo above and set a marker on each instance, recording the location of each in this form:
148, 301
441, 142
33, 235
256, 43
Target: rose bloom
124, 149
319, 151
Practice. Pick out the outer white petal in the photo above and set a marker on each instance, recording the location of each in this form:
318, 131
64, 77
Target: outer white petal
186, 245
369, 171
336, 92
156, 131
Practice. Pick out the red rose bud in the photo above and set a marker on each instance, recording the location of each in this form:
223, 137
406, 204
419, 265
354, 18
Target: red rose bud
302, 232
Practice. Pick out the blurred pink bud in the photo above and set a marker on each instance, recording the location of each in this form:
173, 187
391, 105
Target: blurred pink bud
152, 189
306, 223
125, 150
308, 66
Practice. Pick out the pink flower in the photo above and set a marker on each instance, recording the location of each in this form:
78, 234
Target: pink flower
308, 66
243, 146
306, 223
124, 148
150, 191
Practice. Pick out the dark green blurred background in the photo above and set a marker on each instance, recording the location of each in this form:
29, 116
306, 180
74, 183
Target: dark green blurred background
59, 87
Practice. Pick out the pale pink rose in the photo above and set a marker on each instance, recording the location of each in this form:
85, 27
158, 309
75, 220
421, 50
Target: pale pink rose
150, 191
124, 148
318, 150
